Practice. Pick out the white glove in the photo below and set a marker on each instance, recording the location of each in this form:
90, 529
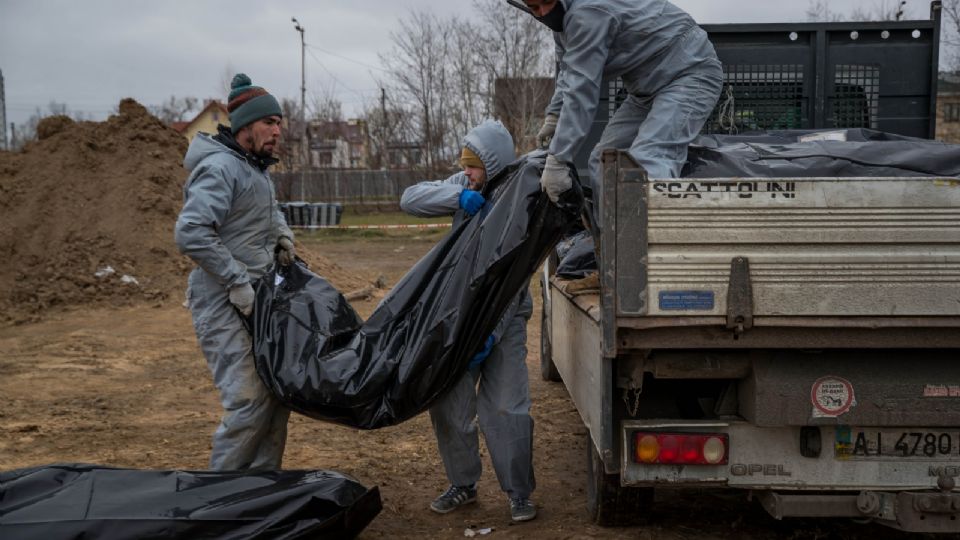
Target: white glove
287, 253
556, 178
241, 297
547, 130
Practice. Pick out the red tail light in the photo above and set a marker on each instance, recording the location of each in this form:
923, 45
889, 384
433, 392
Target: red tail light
680, 448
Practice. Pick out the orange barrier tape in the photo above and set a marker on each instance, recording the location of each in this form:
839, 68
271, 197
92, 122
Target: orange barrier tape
411, 226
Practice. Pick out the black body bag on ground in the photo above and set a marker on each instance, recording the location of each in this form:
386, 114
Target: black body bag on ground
93, 502
321, 360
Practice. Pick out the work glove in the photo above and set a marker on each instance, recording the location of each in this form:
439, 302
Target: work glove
241, 297
556, 178
547, 130
478, 358
471, 201
286, 253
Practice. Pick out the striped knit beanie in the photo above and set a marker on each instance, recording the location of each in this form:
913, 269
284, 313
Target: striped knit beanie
248, 103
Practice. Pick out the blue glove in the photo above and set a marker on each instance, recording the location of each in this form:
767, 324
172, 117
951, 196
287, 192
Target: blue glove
478, 358
471, 201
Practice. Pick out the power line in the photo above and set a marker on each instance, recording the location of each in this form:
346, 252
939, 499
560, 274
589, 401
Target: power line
334, 77
346, 58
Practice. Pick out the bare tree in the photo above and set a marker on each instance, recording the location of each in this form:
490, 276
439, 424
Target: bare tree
516, 53
174, 109
447, 71
470, 99
226, 77
819, 11
950, 36
879, 10
418, 71
291, 133
389, 125
326, 106
27, 131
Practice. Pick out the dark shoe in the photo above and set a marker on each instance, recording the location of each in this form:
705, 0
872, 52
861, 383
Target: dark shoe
454, 497
522, 509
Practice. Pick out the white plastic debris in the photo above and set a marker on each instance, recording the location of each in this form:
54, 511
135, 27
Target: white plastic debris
470, 533
129, 280
104, 272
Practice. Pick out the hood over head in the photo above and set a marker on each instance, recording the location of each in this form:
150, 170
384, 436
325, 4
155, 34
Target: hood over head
493, 143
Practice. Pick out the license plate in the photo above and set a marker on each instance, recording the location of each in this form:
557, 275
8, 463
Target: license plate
913, 444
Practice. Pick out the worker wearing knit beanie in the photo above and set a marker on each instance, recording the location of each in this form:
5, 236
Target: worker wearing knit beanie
248, 103
232, 228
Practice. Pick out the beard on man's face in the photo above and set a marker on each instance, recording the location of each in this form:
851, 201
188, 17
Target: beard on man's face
264, 150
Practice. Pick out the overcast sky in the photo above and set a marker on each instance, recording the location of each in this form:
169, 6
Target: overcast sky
89, 54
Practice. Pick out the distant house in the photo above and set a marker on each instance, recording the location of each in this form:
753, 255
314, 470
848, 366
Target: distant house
341, 144
404, 155
206, 120
948, 107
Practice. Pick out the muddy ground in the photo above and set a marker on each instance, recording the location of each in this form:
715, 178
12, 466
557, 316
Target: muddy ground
129, 387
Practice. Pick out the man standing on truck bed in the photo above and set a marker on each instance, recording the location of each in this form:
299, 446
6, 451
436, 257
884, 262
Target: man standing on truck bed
231, 226
495, 390
670, 72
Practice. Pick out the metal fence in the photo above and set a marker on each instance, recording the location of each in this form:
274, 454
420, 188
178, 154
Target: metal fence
348, 187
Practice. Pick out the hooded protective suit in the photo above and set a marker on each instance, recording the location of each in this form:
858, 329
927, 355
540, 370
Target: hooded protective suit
501, 403
229, 225
669, 69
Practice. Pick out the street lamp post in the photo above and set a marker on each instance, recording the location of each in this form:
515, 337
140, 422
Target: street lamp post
304, 151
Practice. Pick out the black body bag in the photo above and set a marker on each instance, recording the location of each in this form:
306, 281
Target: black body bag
321, 360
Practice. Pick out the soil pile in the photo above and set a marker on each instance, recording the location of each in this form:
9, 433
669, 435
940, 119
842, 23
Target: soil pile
87, 214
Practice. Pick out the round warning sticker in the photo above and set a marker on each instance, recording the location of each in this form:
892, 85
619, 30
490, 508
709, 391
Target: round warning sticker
831, 397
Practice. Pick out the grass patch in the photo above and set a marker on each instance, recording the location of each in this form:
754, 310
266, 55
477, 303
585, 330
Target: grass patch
387, 218
387, 235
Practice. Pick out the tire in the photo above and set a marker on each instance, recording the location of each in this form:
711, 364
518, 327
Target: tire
548, 370
608, 503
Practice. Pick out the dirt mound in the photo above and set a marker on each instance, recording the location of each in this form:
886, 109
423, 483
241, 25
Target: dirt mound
87, 215
51, 125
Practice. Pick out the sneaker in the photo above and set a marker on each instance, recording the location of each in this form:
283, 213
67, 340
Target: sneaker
522, 509
453, 498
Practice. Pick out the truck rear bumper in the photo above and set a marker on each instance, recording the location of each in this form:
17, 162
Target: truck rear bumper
761, 458
926, 512
912, 494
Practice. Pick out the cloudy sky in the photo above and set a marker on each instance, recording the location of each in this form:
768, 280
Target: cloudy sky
90, 54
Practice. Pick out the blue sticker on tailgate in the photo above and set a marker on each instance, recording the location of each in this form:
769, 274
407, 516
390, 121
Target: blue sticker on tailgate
686, 300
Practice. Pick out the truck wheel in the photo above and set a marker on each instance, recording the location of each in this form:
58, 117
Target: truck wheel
548, 370
610, 504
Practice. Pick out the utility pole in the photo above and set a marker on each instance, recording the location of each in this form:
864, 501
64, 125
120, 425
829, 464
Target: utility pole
383, 128
304, 149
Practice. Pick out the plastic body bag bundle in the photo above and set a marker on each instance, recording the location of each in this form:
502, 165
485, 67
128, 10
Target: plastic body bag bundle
90, 501
807, 154
576, 256
316, 356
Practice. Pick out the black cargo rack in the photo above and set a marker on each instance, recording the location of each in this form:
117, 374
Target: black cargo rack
877, 75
